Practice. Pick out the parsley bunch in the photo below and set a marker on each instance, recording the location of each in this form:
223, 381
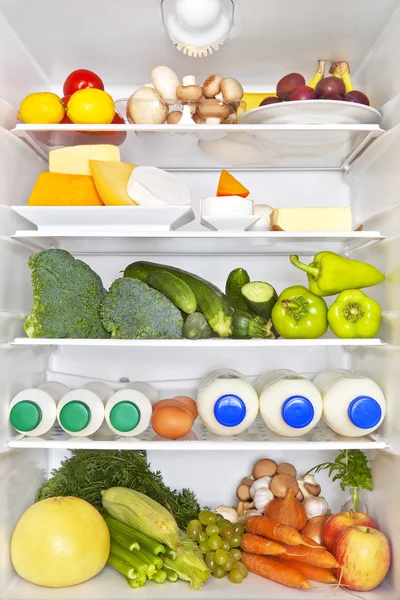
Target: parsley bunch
351, 469
87, 472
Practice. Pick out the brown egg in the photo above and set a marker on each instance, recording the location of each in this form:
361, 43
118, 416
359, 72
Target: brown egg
172, 421
189, 402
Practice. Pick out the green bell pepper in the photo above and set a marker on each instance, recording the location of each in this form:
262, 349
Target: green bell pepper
299, 314
330, 273
354, 315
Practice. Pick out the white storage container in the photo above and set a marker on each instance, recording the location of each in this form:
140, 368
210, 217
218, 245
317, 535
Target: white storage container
353, 405
290, 405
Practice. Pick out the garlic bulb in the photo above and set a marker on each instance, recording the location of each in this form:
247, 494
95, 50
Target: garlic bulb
253, 513
263, 482
228, 513
316, 506
262, 497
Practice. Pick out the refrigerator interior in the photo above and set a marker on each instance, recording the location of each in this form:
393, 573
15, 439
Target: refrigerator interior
40, 43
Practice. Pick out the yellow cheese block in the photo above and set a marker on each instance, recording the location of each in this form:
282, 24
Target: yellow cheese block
111, 179
58, 189
312, 219
74, 160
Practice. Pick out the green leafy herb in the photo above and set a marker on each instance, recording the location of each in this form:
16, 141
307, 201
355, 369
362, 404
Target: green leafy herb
87, 472
351, 469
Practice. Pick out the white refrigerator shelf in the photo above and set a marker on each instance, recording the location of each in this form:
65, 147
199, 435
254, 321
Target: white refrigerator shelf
187, 344
294, 146
87, 240
257, 437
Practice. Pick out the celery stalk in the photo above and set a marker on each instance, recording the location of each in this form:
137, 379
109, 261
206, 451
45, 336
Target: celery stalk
151, 568
122, 566
123, 540
129, 557
171, 554
159, 576
143, 540
171, 575
156, 560
137, 583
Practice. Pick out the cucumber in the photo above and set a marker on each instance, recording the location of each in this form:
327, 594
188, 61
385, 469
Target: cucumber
233, 288
247, 326
196, 327
210, 300
174, 289
260, 297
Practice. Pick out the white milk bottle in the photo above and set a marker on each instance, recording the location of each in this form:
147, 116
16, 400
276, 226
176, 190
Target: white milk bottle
81, 412
290, 405
128, 411
226, 402
33, 411
353, 405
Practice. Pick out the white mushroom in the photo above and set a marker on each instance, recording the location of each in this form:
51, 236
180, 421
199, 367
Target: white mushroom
189, 92
212, 85
213, 109
146, 105
165, 81
231, 91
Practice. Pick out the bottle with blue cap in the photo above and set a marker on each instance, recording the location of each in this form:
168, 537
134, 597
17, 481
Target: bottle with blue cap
226, 402
290, 405
353, 405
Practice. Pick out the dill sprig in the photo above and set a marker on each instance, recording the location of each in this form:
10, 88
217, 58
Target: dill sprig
87, 472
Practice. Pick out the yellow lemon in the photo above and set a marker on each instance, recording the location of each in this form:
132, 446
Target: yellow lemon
91, 106
59, 542
42, 107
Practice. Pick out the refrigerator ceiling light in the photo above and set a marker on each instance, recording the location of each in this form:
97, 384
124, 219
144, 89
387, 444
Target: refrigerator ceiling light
198, 28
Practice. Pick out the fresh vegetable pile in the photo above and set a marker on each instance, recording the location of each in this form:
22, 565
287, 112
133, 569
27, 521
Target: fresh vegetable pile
154, 301
88, 472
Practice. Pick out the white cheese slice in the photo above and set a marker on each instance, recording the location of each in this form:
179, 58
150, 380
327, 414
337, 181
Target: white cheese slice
150, 186
226, 206
312, 219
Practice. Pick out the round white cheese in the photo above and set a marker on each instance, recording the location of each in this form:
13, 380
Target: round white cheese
226, 206
150, 186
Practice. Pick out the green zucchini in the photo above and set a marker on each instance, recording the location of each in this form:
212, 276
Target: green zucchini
210, 300
174, 288
260, 297
233, 288
247, 326
196, 327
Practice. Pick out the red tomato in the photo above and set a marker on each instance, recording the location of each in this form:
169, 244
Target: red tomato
111, 137
65, 101
81, 79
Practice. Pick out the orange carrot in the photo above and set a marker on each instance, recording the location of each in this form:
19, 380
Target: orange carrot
274, 570
307, 541
310, 571
269, 528
319, 557
259, 545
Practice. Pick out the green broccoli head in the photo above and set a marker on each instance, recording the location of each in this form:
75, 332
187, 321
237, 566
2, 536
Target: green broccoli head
66, 297
133, 310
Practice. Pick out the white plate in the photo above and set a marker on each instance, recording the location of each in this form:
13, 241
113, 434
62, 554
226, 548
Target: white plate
106, 218
312, 112
229, 223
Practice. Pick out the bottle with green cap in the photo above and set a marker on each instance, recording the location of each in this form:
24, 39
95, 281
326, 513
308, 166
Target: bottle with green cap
128, 411
81, 411
33, 411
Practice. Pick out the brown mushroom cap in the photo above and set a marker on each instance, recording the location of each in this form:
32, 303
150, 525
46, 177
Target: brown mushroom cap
231, 90
212, 85
197, 119
280, 484
288, 469
312, 488
247, 481
189, 93
264, 468
213, 108
174, 117
243, 492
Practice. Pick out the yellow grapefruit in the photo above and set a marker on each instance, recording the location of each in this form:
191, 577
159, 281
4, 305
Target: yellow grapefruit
60, 542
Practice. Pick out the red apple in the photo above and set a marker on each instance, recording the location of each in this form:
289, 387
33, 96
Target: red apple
336, 523
364, 554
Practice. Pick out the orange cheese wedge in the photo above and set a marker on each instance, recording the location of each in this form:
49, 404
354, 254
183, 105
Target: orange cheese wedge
229, 186
111, 179
59, 189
